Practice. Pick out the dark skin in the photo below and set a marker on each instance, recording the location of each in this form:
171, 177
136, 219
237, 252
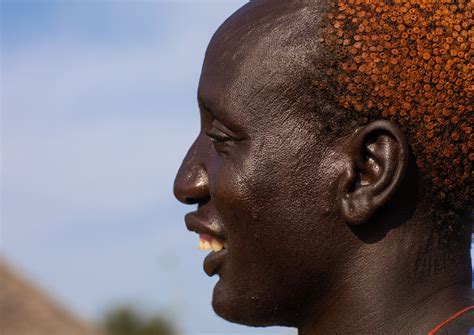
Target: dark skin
328, 236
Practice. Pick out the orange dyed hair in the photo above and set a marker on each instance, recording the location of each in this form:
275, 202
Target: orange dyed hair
410, 62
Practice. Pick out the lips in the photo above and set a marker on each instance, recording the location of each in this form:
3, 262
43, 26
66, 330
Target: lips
211, 236
214, 261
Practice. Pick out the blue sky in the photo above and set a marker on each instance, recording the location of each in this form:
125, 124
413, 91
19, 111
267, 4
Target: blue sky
98, 110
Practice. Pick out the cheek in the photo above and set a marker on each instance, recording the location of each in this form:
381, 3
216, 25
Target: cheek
273, 204
267, 198
231, 180
233, 195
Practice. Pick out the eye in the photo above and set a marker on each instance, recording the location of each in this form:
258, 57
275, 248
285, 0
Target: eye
219, 135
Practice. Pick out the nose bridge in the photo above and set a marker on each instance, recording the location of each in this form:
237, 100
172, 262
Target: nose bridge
191, 183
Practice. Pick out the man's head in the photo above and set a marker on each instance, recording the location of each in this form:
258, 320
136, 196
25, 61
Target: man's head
288, 170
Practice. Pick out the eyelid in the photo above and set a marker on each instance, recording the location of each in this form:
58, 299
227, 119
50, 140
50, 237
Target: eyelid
216, 124
216, 134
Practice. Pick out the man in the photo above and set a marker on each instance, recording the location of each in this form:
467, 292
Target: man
332, 173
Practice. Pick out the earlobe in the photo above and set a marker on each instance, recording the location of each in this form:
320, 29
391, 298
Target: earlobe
378, 156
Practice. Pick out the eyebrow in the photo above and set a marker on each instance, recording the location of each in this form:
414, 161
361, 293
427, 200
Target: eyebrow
222, 124
204, 106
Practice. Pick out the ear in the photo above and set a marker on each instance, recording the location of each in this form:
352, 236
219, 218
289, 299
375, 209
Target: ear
378, 158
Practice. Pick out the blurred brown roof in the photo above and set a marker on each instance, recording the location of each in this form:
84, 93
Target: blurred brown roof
25, 310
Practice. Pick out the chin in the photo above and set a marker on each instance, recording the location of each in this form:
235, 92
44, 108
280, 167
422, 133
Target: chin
243, 306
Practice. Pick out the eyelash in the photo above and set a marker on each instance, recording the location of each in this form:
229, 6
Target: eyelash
217, 136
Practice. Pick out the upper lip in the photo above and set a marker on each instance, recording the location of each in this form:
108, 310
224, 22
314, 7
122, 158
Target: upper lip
200, 226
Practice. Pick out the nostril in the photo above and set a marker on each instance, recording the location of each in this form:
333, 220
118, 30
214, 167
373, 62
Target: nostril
191, 191
183, 196
191, 187
191, 182
190, 201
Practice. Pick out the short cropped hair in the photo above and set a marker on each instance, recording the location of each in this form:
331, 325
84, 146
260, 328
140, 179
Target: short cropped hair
409, 62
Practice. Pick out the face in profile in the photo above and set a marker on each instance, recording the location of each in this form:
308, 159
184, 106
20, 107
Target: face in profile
302, 219
258, 175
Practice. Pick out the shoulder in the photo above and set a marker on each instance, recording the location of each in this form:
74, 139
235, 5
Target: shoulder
461, 323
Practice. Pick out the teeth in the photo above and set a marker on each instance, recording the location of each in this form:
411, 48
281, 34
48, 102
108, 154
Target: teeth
216, 245
204, 245
207, 245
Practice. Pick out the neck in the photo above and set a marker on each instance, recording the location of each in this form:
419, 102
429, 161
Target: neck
380, 294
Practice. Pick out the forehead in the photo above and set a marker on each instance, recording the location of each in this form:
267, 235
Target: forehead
258, 56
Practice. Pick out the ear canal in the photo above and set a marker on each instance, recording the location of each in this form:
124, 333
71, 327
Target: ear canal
356, 208
378, 156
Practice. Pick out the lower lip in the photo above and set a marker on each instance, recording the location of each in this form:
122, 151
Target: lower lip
213, 262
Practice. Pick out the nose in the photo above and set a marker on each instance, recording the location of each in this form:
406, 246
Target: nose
191, 185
